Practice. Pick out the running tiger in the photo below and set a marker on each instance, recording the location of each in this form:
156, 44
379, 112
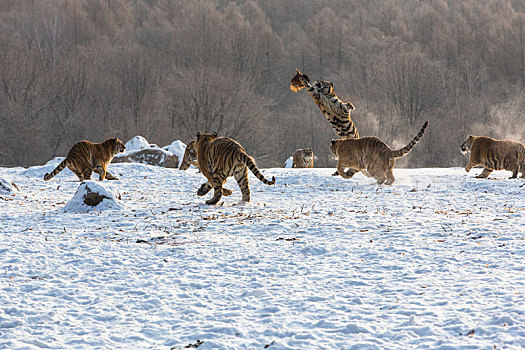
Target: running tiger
336, 111
303, 158
493, 155
190, 157
86, 157
370, 154
221, 157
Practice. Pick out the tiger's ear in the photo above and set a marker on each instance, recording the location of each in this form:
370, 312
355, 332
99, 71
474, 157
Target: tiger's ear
333, 142
215, 133
198, 134
350, 106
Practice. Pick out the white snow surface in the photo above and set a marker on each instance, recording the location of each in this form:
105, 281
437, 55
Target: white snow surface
435, 261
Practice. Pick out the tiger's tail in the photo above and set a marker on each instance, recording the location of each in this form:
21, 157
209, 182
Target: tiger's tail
253, 168
403, 151
58, 169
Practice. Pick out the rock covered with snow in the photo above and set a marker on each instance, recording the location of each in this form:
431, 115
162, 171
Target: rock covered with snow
139, 150
93, 195
177, 148
8, 187
136, 144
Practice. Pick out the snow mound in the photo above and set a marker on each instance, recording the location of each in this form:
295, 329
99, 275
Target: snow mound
288, 163
177, 148
7, 187
40, 171
93, 195
136, 144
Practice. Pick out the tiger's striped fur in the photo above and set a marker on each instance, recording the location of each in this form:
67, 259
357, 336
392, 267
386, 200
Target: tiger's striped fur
303, 158
336, 111
370, 154
494, 154
190, 158
86, 157
221, 157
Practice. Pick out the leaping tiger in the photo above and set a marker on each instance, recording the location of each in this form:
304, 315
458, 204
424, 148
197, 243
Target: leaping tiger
336, 111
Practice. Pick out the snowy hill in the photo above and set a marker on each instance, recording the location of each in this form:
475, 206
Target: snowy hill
315, 262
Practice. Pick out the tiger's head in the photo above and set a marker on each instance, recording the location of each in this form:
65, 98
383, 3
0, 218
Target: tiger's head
116, 145
204, 139
298, 81
190, 156
465, 146
334, 145
324, 87
308, 153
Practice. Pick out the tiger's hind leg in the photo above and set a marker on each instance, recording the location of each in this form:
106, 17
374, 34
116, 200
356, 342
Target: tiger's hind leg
87, 174
77, 172
484, 174
217, 189
99, 169
241, 176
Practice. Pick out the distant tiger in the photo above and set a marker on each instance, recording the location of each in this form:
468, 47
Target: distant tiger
370, 154
221, 157
494, 154
190, 158
303, 158
336, 111
86, 157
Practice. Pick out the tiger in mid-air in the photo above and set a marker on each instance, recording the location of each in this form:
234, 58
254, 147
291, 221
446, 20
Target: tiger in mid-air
303, 158
190, 158
86, 157
336, 111
493, 155
221, 157
370, 154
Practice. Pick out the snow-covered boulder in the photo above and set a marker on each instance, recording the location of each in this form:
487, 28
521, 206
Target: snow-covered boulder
288, 163
177, 148
8, 187
93, 195
139, 150
136, 144
152, 156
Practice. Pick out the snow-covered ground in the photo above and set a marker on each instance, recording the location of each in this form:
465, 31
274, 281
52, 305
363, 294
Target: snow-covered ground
435, 261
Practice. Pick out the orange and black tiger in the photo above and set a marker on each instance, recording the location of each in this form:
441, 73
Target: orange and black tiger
86, 157
494, 154
220, 158
303, 158
370, 154
336, 111
190, 158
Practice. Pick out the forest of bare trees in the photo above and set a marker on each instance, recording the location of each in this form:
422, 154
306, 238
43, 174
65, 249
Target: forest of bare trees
165, 69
